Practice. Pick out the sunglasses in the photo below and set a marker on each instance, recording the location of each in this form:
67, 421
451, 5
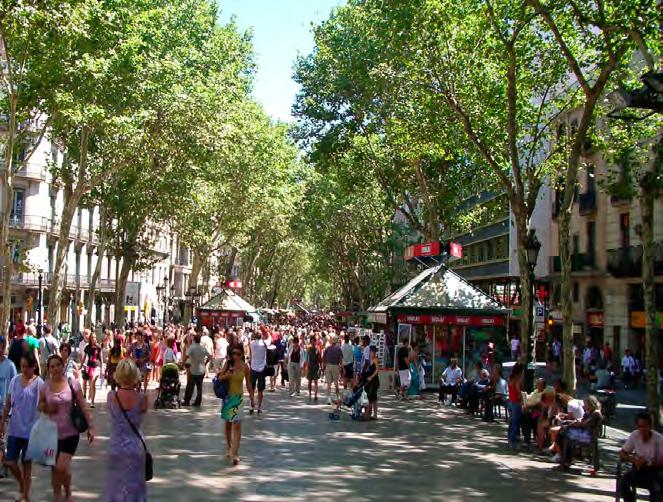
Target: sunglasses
237, 353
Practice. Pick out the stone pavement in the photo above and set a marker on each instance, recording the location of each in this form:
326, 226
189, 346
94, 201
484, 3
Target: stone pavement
417, 451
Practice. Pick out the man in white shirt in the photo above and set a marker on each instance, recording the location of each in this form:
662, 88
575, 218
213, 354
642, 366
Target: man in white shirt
452, 377
643, 449
48, 345
258, 357
348, 360
628, 367
515, 348
197, 357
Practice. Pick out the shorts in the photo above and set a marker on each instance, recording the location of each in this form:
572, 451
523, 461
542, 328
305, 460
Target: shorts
92, 373
349, 370
68, 445
332, 372
259, 378
16, 447
406, 377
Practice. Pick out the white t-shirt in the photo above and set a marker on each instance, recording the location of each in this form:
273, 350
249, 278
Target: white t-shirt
575, 408
258, 355
515, 344
207, 342
221, 348
48, 345
651, 451
348, 354
452, 375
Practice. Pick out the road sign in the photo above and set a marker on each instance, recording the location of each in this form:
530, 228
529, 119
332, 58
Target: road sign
540, 313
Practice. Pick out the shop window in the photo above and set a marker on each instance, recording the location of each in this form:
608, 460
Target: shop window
591, 178
481, 257
624, 228
576, 292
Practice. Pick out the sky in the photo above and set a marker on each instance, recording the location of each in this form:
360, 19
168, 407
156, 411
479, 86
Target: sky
281, 31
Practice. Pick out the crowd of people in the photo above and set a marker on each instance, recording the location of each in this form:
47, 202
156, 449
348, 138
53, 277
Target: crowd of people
48, 374
56, 375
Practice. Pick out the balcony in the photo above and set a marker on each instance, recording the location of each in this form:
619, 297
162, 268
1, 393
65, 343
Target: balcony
627, 262
579, 262
33, 173
619, 200
490, 231
28, 222
587, 202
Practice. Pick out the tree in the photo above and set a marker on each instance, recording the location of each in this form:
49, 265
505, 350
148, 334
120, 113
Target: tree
597, 40
483, 67
34, 41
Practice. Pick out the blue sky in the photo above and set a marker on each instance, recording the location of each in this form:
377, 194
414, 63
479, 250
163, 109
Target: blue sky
281, 30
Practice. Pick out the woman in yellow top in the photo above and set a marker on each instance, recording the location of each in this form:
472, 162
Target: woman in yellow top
115, 355
235, 371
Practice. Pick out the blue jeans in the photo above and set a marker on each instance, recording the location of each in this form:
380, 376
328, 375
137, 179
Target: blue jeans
516, 411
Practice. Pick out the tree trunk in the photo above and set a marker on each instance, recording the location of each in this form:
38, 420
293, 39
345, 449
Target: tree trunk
231, 262
101, 250
648, 188
432, 219
120, 290
71, 200
569, 363
527, 299
8, 200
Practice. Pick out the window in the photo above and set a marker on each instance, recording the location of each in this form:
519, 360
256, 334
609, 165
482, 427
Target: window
624, 228
576, 292
18, 204
481, 253
591, 239
491, 250
591, 178
576, 245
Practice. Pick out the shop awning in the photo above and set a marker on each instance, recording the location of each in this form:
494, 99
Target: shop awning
227, 301
439, 291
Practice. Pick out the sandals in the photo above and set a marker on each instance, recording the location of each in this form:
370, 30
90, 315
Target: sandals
235, 460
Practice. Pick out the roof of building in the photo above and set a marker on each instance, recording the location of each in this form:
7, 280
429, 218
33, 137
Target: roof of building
228, 301
442, 290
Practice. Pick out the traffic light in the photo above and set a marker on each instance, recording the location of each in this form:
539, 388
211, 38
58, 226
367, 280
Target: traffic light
550, 320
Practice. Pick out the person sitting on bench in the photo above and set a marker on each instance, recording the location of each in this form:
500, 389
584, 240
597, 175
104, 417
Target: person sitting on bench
452, 377
643, 449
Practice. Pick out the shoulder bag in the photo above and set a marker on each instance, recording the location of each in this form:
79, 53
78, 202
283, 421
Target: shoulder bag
149, 465
77, 415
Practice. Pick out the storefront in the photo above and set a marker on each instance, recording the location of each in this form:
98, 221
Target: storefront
225, 310
448, 317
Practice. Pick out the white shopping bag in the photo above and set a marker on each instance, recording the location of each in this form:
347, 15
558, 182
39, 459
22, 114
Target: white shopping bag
363, 400
43, 443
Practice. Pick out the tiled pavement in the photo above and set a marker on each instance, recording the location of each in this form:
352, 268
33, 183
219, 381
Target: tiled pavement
417, 451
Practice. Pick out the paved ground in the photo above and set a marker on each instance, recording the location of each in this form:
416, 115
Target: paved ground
294, 452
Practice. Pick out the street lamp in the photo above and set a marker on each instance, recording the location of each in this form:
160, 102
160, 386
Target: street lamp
532, 247
37, 260
194, 293
161, 297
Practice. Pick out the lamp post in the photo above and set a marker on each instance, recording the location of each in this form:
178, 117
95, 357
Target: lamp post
40, 301
532, 247
193, 293
161, 297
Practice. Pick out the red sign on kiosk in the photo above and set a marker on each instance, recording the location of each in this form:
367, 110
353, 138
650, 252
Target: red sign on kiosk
472, 320
423, 250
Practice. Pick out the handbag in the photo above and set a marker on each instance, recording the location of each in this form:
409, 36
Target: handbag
77, 415
149, 464
220, 387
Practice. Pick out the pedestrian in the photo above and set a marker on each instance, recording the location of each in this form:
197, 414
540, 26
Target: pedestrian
55, 399
115, 355
515, 404
372, 384
125, 478
332, 359
515, 347
628, 368
313, 361
21, 402
140, 353
644, 450
93, 367
236, 372
348, 361
220, 349
294, 359
48, 345
258, 360
197, 357
70, 366
403, 366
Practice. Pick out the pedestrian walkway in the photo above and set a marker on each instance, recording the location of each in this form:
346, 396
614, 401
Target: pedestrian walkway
416, 451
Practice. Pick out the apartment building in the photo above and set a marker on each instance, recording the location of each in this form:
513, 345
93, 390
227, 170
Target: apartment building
490, 259
606, 261
35, 228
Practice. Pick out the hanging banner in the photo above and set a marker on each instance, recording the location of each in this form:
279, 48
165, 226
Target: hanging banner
453, 320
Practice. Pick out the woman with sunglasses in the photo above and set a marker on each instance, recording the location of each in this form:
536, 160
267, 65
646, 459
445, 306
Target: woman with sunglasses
235, 372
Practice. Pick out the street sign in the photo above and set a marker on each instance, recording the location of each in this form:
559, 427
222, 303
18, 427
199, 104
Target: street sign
540, 313
455, 250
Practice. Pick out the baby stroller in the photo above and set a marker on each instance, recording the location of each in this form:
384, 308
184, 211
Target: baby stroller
169, 387
352, 401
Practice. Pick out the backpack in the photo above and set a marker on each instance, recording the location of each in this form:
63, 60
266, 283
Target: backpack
272, 356
16, 351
